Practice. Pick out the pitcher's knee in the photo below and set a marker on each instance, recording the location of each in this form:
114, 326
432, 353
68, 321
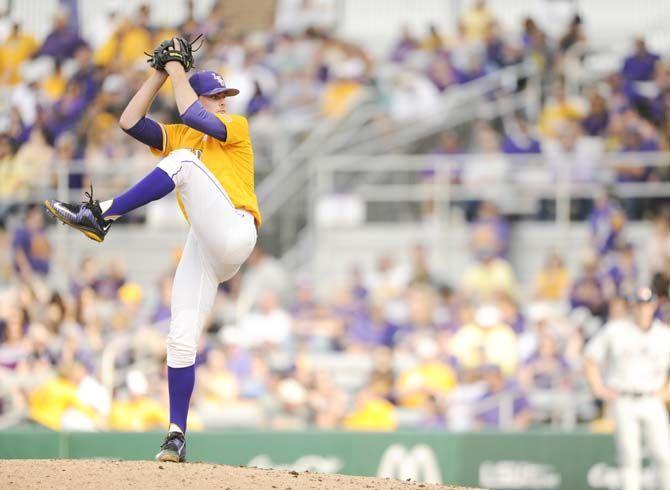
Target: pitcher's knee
176, 164
180, 353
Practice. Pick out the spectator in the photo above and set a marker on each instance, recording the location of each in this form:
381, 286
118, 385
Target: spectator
497, 54
484, 339
62, 41
56, 404
327, 402
489, 230
596, 121
293, 410
32, 250
137, 412
441, 74
14, 347
405, 46
489, 275
388, 279
433, 415
259, 101
217, 386
18, 47
574, 157
267, 323
504, 392
519, 138
587, 289
638, 67
489, 165
65, 161
606, 223
547, 369
621, 277
370, 413
126, 45
633, 141
370, 328
552, 281
431, 377
67, 111
10, 181
658, 246
421, 270
476, 20
433, 42
162, 313
573, 36
557, 112
31, 162
263, 273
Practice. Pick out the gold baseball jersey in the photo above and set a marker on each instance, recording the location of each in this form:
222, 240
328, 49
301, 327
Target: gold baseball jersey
231, 161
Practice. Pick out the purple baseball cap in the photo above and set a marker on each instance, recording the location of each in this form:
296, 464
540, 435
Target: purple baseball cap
210, 83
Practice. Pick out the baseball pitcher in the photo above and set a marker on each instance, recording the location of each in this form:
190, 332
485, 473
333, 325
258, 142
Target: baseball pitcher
210, 162
627, 365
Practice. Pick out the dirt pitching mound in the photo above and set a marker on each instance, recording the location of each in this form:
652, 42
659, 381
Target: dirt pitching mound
84, 474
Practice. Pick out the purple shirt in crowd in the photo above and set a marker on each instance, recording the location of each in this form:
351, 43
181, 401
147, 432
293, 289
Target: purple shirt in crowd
364, 330
600, 222
23, 240
639, 67
491, 418
402, 49
61, 44
518, 146
595, 124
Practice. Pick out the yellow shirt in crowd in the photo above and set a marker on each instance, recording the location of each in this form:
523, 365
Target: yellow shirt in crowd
127, 47
49, 402
555, 114
137, 415
338, 97
551, 285
487, 278
433, 377
231, 161
13, 52
475, 346
373, 414
54, 86
476, 21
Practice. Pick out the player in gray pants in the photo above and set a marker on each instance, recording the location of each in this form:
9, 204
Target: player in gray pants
634, 356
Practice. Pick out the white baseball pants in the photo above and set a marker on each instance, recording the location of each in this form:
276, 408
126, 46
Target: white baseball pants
220, 239
632, 416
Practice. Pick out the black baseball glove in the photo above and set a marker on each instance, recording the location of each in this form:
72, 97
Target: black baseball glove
167, 51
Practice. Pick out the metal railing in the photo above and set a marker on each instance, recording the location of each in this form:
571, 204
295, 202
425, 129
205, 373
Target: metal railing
287, 193
421, 178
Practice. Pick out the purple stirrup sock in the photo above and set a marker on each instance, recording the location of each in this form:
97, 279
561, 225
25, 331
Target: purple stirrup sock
180, 387
154, 186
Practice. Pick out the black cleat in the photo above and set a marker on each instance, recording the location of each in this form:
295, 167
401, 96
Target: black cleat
173, 449
85, 217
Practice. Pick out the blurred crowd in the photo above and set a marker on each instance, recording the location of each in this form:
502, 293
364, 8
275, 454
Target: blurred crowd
397, 345
62, 95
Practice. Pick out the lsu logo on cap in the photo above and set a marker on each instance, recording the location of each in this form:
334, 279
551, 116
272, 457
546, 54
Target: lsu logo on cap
219, 79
